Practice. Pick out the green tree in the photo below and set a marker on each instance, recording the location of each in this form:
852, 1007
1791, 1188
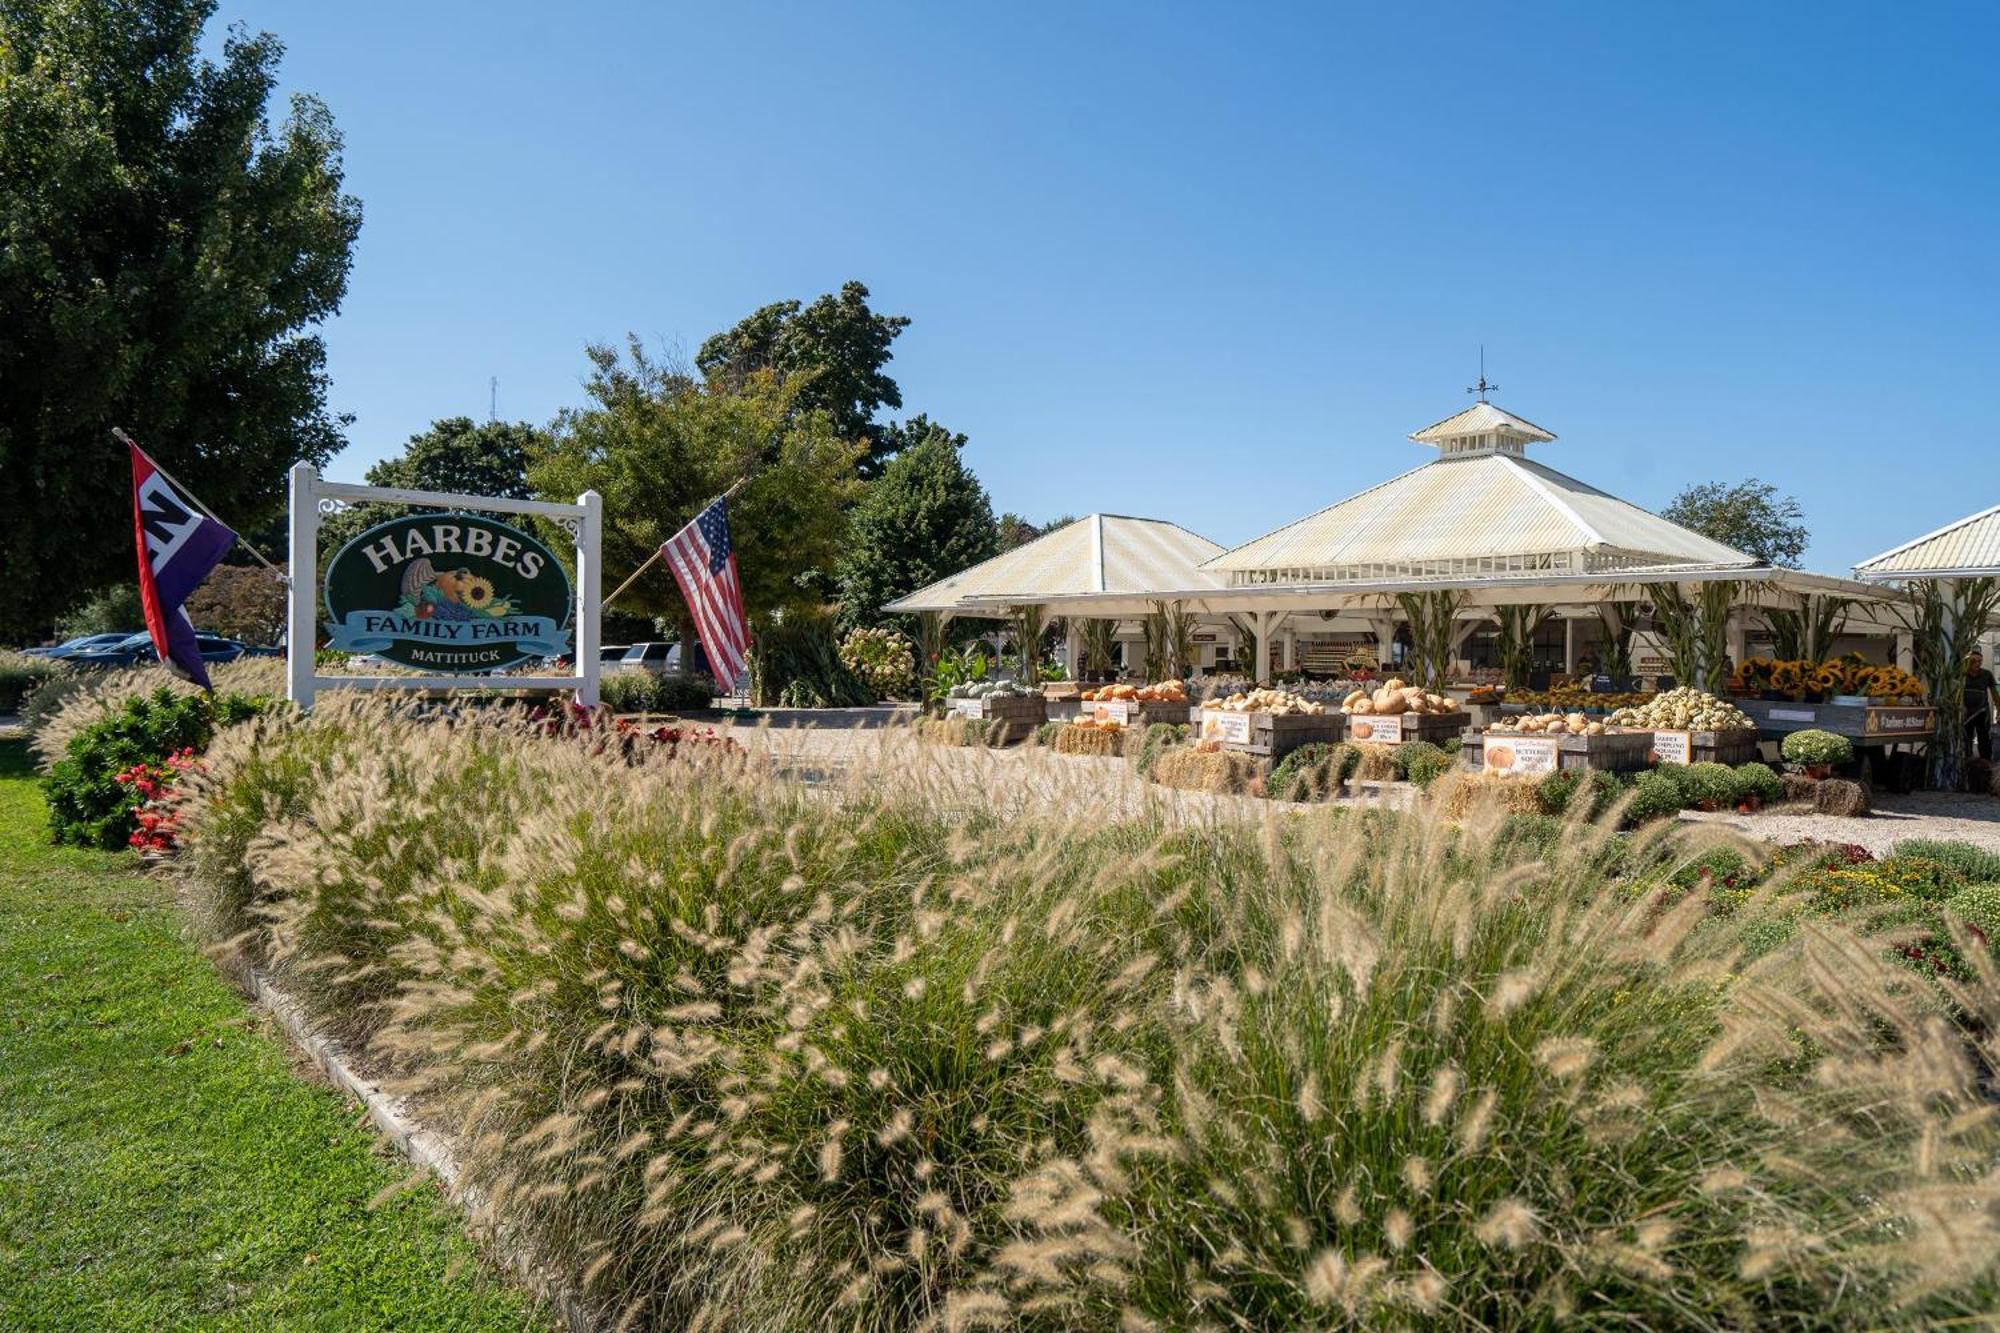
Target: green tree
1016, 531
164, 257
658, 444
455, 454
926, 516
1750, 516
830, 353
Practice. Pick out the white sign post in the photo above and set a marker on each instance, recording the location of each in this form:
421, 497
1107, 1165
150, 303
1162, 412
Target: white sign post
310, 497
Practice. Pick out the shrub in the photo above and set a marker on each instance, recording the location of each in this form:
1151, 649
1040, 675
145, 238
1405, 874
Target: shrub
681, 694
1658, 793
1045, 734
626, 691
1159, 738
1813, 746
20, 675
89, 806
1420, 762
1709, 784
1979, 908
72, 700
1556, 791
884, 660
733, 1053
1309, 773
795, 663
1976, 864
1758, 780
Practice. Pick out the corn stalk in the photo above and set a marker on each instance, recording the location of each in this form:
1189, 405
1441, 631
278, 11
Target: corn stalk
1805, 633
1099, 639
1517, 641
1696, 630
1178, 630
1620, 620
1250, 658
1945, 618
932, 626
1154, 626
1433, 618
1027, 624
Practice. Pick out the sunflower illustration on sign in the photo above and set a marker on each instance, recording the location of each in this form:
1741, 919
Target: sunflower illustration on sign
455, 594
448, 592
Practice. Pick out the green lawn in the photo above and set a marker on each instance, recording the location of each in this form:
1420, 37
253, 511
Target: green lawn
161, 1166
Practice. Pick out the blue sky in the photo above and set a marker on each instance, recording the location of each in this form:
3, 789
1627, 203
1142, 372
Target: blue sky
1212, 264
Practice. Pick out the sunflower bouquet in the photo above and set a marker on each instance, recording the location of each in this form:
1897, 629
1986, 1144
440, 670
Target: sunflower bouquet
1849, 675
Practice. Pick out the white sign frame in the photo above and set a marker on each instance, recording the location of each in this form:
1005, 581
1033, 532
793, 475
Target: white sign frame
311, 496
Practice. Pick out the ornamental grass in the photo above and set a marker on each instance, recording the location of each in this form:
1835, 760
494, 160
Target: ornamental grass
927, 1050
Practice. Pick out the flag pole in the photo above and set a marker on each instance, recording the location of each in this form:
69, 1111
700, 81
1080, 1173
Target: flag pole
654, 558
195, 500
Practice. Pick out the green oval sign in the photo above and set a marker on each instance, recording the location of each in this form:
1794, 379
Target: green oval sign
450, 593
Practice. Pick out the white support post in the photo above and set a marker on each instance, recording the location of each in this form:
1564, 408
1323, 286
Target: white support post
302, 588
1073, 647
1289, 648
1569, 645
589, 596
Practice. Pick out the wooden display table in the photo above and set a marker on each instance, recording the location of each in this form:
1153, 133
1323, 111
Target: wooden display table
1607, 752
1268, 735
1396, 728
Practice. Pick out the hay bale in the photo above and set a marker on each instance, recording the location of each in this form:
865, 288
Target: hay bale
1223, 772
1378, 763
1073, 739
1837, 796
955, 731
1799, 787
1458, 794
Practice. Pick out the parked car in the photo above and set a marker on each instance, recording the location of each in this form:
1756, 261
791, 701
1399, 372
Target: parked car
84, 644
137, 649
660, 659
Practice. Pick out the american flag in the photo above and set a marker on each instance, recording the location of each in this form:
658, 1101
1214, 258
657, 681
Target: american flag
704, 564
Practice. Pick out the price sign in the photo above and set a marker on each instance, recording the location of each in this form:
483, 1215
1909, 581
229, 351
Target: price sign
1673, 747
1376, 728
1218, 725
1109, 710
968, 708
1519, 756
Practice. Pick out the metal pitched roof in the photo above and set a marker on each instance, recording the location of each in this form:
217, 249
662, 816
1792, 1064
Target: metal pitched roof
1102, 553
1481, 419
1477, 507
1968, 548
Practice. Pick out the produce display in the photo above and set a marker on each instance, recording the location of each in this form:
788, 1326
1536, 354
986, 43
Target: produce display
992, 689
1573, 699
1548, 724
1396, 695
1684, 709
1844, 675
1315, 691
1166, 692
1281, 702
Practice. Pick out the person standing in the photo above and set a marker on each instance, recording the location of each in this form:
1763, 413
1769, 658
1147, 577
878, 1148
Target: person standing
1980, 694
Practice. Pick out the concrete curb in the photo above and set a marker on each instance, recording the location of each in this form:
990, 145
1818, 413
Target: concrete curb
425, 1148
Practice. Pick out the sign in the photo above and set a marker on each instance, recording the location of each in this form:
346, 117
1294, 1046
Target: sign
1894, 722
1219, 725
1519, 756
1109, 710
1673, 747
449, 593
1376, 728
971, 707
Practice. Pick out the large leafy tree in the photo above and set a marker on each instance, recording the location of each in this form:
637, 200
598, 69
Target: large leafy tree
926, 517
455, 454
830, 353
1750, 516
658, 444
164, 257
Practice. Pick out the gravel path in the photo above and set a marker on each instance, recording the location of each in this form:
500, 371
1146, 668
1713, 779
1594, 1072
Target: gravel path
1924, 814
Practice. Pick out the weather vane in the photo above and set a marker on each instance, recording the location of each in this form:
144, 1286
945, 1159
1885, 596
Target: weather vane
1482, 388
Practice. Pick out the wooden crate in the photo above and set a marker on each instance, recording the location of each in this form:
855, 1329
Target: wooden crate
1864, 724
1012, 719
1396, 728
1608, 752
1268, 735
1707, 747
1134, 712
